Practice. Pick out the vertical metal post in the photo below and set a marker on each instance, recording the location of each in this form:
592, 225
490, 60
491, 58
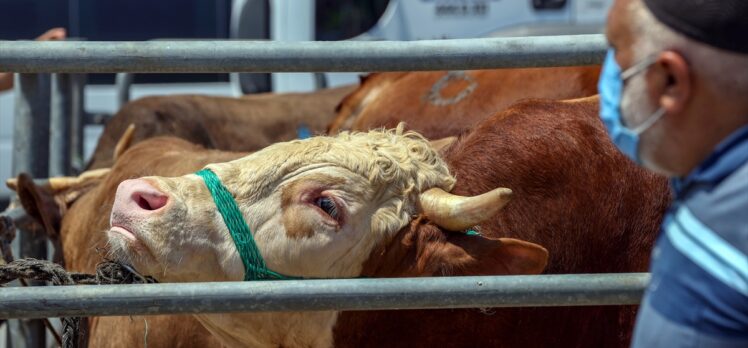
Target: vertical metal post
31, 155
31, 131
292, 21
60, 112
77, 121
123, 84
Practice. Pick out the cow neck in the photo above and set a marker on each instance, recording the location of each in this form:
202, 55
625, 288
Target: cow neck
254, 264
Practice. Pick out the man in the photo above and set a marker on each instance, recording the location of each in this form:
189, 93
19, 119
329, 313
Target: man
6, 78
674, 97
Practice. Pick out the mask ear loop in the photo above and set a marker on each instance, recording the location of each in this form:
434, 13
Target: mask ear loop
649, 122
631, 72
638, 67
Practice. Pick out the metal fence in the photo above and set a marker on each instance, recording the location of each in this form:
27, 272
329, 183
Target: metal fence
32, 154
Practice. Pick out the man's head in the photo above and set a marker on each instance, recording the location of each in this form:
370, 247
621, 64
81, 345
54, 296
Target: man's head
700, 85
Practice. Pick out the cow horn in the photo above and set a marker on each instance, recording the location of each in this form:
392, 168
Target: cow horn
66, 182
443, 143
61, 183
124, 142
457, 213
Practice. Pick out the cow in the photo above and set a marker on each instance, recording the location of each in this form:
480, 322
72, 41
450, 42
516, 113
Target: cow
248, 123
317, 208
77, 212
594, 210
574, 194
440, 104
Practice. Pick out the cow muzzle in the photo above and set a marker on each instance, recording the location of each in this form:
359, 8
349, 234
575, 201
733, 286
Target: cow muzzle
135, 202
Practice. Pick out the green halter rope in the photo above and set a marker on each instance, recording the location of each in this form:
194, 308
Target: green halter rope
254, 265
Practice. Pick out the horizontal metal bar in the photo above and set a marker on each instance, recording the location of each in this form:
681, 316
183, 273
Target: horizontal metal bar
274, 56
15, 214
327, 294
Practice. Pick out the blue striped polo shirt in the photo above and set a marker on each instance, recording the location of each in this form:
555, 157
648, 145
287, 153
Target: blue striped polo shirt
699, 264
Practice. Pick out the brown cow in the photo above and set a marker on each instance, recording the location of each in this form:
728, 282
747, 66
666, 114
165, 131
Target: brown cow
232, 124
574, 193
83, 225
84, 207
440, 104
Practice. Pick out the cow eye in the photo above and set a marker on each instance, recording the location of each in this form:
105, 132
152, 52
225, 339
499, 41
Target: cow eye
328, 206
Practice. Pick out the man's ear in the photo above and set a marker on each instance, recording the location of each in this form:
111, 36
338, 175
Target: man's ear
477, 255
676, 82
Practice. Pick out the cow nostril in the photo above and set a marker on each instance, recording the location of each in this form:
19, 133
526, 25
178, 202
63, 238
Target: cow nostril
149, 201
144, 203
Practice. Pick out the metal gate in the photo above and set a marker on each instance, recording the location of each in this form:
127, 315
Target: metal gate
36, 127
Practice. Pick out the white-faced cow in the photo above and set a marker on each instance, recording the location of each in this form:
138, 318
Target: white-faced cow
316, 208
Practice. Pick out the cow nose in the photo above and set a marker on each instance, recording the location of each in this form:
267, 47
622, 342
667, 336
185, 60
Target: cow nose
149, 201
138, 195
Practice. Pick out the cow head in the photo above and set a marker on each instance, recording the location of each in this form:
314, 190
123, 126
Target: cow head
316, 208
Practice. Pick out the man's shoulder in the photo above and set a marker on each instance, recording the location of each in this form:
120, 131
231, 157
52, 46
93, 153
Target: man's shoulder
710, 229
722, 208
697, 282
700, 262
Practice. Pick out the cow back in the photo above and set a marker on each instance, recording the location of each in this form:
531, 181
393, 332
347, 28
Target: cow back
439, 104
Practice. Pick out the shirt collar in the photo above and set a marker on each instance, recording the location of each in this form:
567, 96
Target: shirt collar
728, 156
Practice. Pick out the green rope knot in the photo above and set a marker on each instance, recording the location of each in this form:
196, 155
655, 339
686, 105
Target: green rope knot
472, 232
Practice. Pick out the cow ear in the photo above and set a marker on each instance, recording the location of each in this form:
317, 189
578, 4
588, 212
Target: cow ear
422, 249
48, 200
464, 254
39, 203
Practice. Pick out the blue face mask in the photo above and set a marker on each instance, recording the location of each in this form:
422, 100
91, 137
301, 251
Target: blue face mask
610, 87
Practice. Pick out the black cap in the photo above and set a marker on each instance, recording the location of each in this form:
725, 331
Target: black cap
718, 23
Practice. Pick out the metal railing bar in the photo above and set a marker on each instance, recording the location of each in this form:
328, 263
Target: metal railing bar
324, 294
317, 56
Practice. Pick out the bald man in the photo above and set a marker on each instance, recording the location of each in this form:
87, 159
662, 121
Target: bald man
6, 78
674, 98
